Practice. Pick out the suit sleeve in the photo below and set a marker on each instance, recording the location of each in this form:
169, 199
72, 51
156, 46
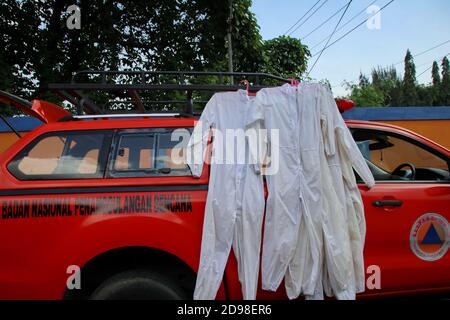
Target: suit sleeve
348, 144
327, 123
257, 136
197, 145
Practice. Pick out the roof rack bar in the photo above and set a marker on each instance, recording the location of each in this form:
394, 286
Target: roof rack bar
85, 102
189, 104
146, 81
180, 74
137, 100
14, 99
72, 99
144, 87
159, 101
131, 115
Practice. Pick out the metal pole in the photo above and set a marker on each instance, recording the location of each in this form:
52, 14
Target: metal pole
230, 46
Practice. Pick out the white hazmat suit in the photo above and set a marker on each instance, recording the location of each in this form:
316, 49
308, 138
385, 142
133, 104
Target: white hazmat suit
230, 217
343, 228
343, 155
294, 191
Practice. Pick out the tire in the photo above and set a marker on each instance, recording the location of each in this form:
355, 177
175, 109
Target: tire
138, 285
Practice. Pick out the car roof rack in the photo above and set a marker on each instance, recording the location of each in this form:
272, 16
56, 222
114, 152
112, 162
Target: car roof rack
126, 116
131, 84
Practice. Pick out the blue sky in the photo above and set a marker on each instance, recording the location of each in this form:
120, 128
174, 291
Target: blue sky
414, 24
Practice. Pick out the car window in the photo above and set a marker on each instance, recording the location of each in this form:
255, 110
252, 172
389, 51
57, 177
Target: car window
63, 155
394, 157
149, 152
135, 152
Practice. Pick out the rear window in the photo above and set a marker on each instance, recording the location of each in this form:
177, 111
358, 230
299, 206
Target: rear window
150, 152
63, 155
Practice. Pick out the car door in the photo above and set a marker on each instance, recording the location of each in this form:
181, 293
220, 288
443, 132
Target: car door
407, 211
35, 219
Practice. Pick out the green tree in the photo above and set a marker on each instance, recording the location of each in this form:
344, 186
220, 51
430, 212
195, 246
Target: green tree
384, 88
425, 95
436, 81
435, 76
386, 81
365, 96
363, 80
19, 22
286, 56
396, 91
409, 81
39, 49
445, 84
397, 94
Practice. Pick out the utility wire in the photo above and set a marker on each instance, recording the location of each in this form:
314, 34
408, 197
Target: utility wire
427, 63
424, 71
431, 66
301, 17
314, 12
318, 27
335, 28
423, 52
423, 64
345, 24
353, 29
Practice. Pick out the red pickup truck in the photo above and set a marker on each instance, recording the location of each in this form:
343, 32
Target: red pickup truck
93, 207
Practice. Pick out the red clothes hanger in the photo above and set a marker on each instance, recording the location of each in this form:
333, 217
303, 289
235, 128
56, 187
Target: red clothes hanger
247, 87
294, 82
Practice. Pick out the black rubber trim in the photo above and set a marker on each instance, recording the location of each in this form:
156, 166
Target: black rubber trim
36, 191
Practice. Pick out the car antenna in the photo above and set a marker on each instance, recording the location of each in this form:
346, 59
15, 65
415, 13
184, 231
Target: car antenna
10, 126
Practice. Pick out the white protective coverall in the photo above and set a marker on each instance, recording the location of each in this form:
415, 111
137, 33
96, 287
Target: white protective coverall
230, 217
343, 155
332, 238
335, 234
294, 191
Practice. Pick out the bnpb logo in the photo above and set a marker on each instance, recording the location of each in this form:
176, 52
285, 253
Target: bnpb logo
430, 236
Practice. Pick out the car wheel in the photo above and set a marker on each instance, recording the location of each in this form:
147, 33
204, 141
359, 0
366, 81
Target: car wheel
138, 285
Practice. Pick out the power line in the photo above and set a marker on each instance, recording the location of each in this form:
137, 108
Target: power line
335, 28
302, 17
424, 71
318, 27
426, 63
423, 64
356, 27
314, 12
345, 24
423, 52
431, 66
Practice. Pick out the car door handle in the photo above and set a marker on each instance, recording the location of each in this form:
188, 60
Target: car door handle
387, 203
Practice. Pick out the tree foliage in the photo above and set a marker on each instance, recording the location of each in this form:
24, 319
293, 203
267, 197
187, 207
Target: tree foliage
445, 84
39, 49
387, 82
365, 95
409, 81
435, 76
386, 88
286, 56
